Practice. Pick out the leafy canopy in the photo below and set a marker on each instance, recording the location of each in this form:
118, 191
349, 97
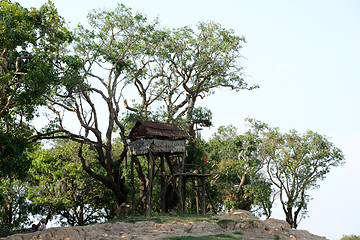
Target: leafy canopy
33, 62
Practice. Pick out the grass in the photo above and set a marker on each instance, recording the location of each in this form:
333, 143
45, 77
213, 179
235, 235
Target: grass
224, 222
209, 237
162, 218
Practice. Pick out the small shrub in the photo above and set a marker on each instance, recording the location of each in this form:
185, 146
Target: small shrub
350, 237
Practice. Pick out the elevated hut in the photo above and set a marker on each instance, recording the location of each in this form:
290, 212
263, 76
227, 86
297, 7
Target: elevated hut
166, 142
155, 137
157, 140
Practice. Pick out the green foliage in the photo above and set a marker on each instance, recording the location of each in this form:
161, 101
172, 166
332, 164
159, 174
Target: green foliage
207, 54
63, 187
14, 160
201, 116
196, 153
295, 164
196, 63
170, 69
176, 67
31, 43
115, 38
350, 237
32, 65
240, 183
15, 208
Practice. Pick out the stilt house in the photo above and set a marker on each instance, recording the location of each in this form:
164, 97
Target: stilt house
166, 142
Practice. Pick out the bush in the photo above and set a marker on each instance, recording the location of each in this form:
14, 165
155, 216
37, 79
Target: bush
350, 237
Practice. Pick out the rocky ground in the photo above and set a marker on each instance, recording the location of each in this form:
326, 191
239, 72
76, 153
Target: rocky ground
227, 223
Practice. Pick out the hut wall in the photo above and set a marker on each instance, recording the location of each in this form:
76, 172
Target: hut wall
144, 146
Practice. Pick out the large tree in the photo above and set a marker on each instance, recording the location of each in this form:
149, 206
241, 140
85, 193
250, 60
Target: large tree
106, 50
295, 164
31, 64
184, 65
189, 64
169, 69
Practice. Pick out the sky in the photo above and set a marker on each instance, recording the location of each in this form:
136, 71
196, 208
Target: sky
305, 55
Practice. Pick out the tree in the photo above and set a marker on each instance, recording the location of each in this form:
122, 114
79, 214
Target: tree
31, 45
179, 67
61, 186
31, 64
187, 65
15, 208
238, 169
169, 69
104, 51
295, 164
201, 61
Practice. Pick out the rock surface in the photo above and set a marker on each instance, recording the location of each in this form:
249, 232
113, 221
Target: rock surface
250, 226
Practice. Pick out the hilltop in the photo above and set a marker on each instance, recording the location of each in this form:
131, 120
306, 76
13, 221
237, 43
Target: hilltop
236, 225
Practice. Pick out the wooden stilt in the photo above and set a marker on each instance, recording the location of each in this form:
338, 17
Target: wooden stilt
203, 196
149, 181
163, 185
181, 162
184, 195
167, 141
196, 194
203, 179
132, 185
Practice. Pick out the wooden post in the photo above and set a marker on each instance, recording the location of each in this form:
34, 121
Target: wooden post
162, 182
184, 195
195, 182
132, 185
182, 161
203, 196
203, 178
149, 181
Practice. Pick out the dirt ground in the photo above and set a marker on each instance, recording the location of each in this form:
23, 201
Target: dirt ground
228, 223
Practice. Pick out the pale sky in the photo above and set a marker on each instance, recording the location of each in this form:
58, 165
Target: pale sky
305, 55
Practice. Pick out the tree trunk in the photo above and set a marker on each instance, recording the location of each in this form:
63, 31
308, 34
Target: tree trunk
120, 199
189, 118
81, 216
289, 217
190, 130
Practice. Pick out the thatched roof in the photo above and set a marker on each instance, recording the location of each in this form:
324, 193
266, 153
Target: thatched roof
158, 130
